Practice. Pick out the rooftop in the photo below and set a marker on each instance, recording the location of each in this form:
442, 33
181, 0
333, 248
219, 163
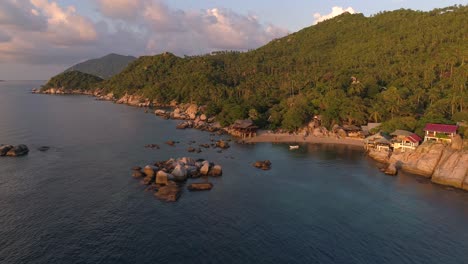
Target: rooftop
441, 128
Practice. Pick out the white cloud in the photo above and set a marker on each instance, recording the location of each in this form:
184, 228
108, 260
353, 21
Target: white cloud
336, 11
44, 32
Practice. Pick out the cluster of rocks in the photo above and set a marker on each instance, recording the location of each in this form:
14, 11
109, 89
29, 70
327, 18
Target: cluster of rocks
13, 151
167, 177
152, 146
264, 165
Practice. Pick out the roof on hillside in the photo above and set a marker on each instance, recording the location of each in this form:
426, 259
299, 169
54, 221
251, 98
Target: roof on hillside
442, 128
414, 138
400, 132
246, 123
351, 128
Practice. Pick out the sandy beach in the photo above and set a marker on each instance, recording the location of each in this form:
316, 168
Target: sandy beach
264, 136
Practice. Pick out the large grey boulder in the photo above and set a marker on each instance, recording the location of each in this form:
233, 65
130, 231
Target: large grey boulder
180, 173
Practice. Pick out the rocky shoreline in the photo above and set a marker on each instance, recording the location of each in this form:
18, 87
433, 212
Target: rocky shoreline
445, 165
441, 163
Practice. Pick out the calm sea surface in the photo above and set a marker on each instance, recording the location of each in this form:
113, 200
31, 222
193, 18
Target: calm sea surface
77, 202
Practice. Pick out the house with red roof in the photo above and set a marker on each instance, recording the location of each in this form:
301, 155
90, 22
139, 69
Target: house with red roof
405, 140
440, 132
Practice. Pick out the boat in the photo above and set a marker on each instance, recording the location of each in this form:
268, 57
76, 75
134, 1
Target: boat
293, 146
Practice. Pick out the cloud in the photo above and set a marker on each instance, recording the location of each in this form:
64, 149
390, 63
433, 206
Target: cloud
121, 9
4, 37
44, 32
22, 15
336, 11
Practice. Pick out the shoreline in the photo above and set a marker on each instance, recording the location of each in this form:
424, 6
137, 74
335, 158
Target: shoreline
265, 137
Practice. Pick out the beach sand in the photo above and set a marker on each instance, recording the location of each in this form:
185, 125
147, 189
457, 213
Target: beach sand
264, 136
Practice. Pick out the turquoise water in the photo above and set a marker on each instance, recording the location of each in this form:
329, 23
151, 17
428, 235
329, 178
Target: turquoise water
77, 202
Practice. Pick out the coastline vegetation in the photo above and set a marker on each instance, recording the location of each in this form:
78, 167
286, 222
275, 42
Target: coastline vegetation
73, 80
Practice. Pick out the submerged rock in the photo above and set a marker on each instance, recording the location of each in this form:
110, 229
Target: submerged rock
217, 170
43, 148
264, 165
168, 193
201, 186
391, 169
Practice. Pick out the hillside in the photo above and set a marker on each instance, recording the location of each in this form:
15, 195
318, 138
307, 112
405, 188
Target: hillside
403, 67
73, 80
104, 67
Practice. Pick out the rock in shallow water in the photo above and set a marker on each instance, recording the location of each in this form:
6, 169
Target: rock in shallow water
17, 151
168, 193
201, 186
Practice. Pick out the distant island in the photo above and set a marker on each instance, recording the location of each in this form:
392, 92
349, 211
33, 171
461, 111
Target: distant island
104, 67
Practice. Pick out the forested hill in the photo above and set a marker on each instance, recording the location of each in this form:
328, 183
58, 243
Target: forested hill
403, 67
104, 67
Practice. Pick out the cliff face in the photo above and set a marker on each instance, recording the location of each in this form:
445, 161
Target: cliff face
423, 161
446, 165
452, 169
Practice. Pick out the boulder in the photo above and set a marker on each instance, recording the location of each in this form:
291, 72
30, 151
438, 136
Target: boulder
216, 170
162, 178
149, 179
457, 143
150, 170
160, 112
264, 165
168, 193
205, 168
17, 151
222, 144
203, 117
452, 169
192, 111
180, 173
188, 161
138, 174
391, 169
170, 143
422, 161
4, 149
191, 149
202, 186
192, 170
380, 156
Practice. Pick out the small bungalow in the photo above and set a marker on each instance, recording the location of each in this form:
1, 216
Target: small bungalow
440, 132
366, 130
353, 131
243, 129
379, 141
405, 140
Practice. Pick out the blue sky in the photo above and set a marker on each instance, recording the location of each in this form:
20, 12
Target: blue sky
40, 38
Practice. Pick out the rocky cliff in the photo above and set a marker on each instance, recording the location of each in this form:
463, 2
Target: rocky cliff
443, 164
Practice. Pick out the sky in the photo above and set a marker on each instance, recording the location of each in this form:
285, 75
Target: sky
41, 38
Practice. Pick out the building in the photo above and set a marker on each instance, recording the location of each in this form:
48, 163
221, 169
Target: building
243, 129
353, 131
440, 132
379, 141
405, 140
367, 129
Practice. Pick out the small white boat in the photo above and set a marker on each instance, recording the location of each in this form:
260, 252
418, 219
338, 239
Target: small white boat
293, 146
